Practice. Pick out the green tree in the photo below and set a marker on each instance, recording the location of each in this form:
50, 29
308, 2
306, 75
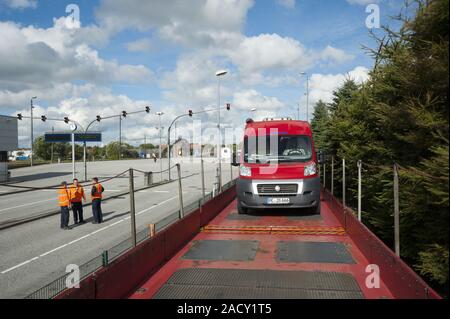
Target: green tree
400, 115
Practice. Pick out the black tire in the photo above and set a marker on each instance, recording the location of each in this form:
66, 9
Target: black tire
241, 210
317, 210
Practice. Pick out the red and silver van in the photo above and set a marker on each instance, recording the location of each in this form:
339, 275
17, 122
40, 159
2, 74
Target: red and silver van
278, 166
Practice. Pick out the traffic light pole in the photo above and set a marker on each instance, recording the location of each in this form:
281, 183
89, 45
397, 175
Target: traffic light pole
32, 138
98, 119
173, 122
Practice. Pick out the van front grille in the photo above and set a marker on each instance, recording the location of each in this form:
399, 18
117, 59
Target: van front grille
277, 188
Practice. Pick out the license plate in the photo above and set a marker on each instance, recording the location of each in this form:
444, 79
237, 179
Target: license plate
277, 201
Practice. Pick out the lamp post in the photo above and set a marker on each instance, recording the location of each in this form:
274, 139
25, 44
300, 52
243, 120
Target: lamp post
31, 134
160, 137
307, 94
219, 74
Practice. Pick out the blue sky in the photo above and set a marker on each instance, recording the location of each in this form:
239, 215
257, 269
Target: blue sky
165, 53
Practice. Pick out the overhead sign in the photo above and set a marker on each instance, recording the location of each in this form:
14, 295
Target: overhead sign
88, 137
62, 137
58, 137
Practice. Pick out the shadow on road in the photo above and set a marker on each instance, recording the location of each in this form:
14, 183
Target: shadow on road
105, 220
27, 178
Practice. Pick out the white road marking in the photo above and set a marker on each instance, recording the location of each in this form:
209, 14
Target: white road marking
85, 236
29, 204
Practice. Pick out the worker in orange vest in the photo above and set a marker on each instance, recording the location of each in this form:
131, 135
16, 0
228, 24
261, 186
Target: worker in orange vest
96, 195
64, 203
76, 198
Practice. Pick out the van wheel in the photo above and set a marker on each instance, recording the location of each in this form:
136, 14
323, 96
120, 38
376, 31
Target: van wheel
317, 210
241, 210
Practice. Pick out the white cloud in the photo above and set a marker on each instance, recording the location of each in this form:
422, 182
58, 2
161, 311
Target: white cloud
323, 85
37, 58
141, 45
290, 4
247, 99
335, 55
20, 4
192, 23
270, 51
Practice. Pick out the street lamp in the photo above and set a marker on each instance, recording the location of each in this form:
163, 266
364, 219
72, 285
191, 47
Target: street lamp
307, 95
32, 107
160, 149
219, 74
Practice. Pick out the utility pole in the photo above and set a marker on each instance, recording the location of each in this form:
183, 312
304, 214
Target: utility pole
120, 137
53, 130
32, 137
396, 212
160, 142
145, 146
219, 74
307, 94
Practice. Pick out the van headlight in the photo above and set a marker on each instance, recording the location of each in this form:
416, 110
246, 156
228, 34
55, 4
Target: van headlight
310, 169
245, 171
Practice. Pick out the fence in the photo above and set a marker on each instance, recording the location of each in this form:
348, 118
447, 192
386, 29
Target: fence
58, 285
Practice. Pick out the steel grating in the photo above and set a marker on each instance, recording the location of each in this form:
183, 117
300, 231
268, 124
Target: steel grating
227, 250
313, 252
277, 230
202, 283
242, 217
315, 217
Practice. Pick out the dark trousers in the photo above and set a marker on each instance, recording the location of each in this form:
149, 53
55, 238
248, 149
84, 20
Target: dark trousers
64, 216
97, 210
77, 209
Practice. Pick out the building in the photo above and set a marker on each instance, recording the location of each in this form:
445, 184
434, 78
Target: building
9, 141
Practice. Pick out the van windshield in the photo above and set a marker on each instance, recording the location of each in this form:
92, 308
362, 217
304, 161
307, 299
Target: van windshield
277, 148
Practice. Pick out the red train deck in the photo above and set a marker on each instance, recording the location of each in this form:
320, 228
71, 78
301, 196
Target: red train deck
271, 254
215, 253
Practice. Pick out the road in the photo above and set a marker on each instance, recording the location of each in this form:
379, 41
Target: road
22, 205
35, 253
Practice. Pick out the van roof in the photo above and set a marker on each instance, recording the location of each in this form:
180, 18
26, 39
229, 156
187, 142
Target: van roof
285, 127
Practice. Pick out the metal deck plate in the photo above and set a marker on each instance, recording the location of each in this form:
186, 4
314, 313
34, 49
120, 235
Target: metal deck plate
227, 250
199, 283
306, 218
313, 252
242, 217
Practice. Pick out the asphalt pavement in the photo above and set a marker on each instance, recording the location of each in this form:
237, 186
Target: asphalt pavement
35, 253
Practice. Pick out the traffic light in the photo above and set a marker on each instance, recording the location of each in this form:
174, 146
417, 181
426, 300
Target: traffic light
20, 116
228, 106
191, 113
43, 118
99, 118
124, 113
147, 109
66, 120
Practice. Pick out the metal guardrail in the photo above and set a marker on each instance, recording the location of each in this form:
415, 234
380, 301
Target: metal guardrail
55, 287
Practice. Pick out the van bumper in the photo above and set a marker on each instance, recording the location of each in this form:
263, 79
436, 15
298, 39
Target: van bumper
309, 196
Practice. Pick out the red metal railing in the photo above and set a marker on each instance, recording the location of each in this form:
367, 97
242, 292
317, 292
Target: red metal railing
401, 280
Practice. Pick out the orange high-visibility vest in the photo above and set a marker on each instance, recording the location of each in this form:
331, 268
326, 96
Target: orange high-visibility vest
98, 194
63, 197
76, 193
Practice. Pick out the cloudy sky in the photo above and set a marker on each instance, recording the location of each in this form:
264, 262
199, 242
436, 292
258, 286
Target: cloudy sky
124, 55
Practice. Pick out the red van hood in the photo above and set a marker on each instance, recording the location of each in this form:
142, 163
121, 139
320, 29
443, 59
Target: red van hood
277, 171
